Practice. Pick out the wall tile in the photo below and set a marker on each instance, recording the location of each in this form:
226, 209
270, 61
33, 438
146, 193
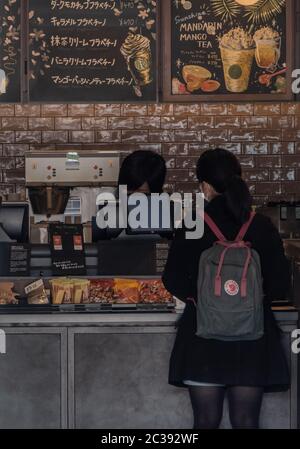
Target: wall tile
173, 123
7, 136
41, 123
282, 148
187, 109
55, 137
121, 123
108, 110
82, 136
241, 136
215, 136
160, 109
54, 110
267, 109
91, 123
188, 136
84, 110
199, 123
7, 110
147, 122
135, 136
255, 122
28, 136
108, 136
161, 136
240, 109
213, 108
134, 110
68, 123
256, 148
268, 161
15, 149
14, 124
28, 110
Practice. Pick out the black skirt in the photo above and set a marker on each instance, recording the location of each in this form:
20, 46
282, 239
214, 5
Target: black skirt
243, 363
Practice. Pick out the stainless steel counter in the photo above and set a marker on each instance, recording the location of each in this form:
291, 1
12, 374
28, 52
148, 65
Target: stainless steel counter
109, 371
284, 315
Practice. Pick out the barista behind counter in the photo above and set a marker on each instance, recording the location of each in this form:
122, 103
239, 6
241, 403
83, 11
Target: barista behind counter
142, 172
124, 250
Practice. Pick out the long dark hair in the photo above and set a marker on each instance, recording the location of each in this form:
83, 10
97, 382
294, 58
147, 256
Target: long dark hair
222, 170
143, 166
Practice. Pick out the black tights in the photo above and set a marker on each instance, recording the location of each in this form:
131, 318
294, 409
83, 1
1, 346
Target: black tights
244, 406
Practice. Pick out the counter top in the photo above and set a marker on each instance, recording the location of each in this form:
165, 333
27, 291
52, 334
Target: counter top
112, 319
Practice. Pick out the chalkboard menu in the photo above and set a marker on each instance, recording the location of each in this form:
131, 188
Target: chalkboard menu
88, 50
229, 48
10, 51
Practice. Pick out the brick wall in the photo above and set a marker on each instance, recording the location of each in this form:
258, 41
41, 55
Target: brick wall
265, 137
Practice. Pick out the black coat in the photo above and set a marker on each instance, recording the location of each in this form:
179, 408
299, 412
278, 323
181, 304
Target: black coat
245, 363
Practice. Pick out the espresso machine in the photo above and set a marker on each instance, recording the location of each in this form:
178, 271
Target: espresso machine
62, 186
285, 215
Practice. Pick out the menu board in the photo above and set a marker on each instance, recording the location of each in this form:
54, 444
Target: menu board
10, 51
229, 47
88, 50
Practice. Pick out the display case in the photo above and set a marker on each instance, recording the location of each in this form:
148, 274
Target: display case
105, 288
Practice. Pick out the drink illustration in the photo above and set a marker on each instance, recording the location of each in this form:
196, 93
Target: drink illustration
237, 53
3, 82
268, 48
136, 50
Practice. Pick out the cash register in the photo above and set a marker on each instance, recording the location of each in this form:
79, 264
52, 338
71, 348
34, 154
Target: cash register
14, 222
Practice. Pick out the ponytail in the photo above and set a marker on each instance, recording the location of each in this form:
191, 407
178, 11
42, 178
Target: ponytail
222, 170
238, 199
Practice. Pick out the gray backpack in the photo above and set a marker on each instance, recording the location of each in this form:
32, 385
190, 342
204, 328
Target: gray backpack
230, 291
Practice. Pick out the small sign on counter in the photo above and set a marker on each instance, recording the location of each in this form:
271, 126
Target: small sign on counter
14, 259
67, 249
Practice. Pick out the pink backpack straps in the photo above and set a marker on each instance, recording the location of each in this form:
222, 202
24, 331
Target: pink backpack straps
213, 227
244, 228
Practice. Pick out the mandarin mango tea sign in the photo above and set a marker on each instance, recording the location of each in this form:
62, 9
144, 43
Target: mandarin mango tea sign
229, 47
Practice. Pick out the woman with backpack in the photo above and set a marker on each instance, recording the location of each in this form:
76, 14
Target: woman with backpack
227, 339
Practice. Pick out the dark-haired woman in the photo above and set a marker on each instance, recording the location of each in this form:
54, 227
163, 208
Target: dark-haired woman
210, 368
143, 171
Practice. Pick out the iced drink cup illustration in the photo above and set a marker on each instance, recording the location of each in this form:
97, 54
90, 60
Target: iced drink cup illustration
268, 48
237, 53
137, 53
